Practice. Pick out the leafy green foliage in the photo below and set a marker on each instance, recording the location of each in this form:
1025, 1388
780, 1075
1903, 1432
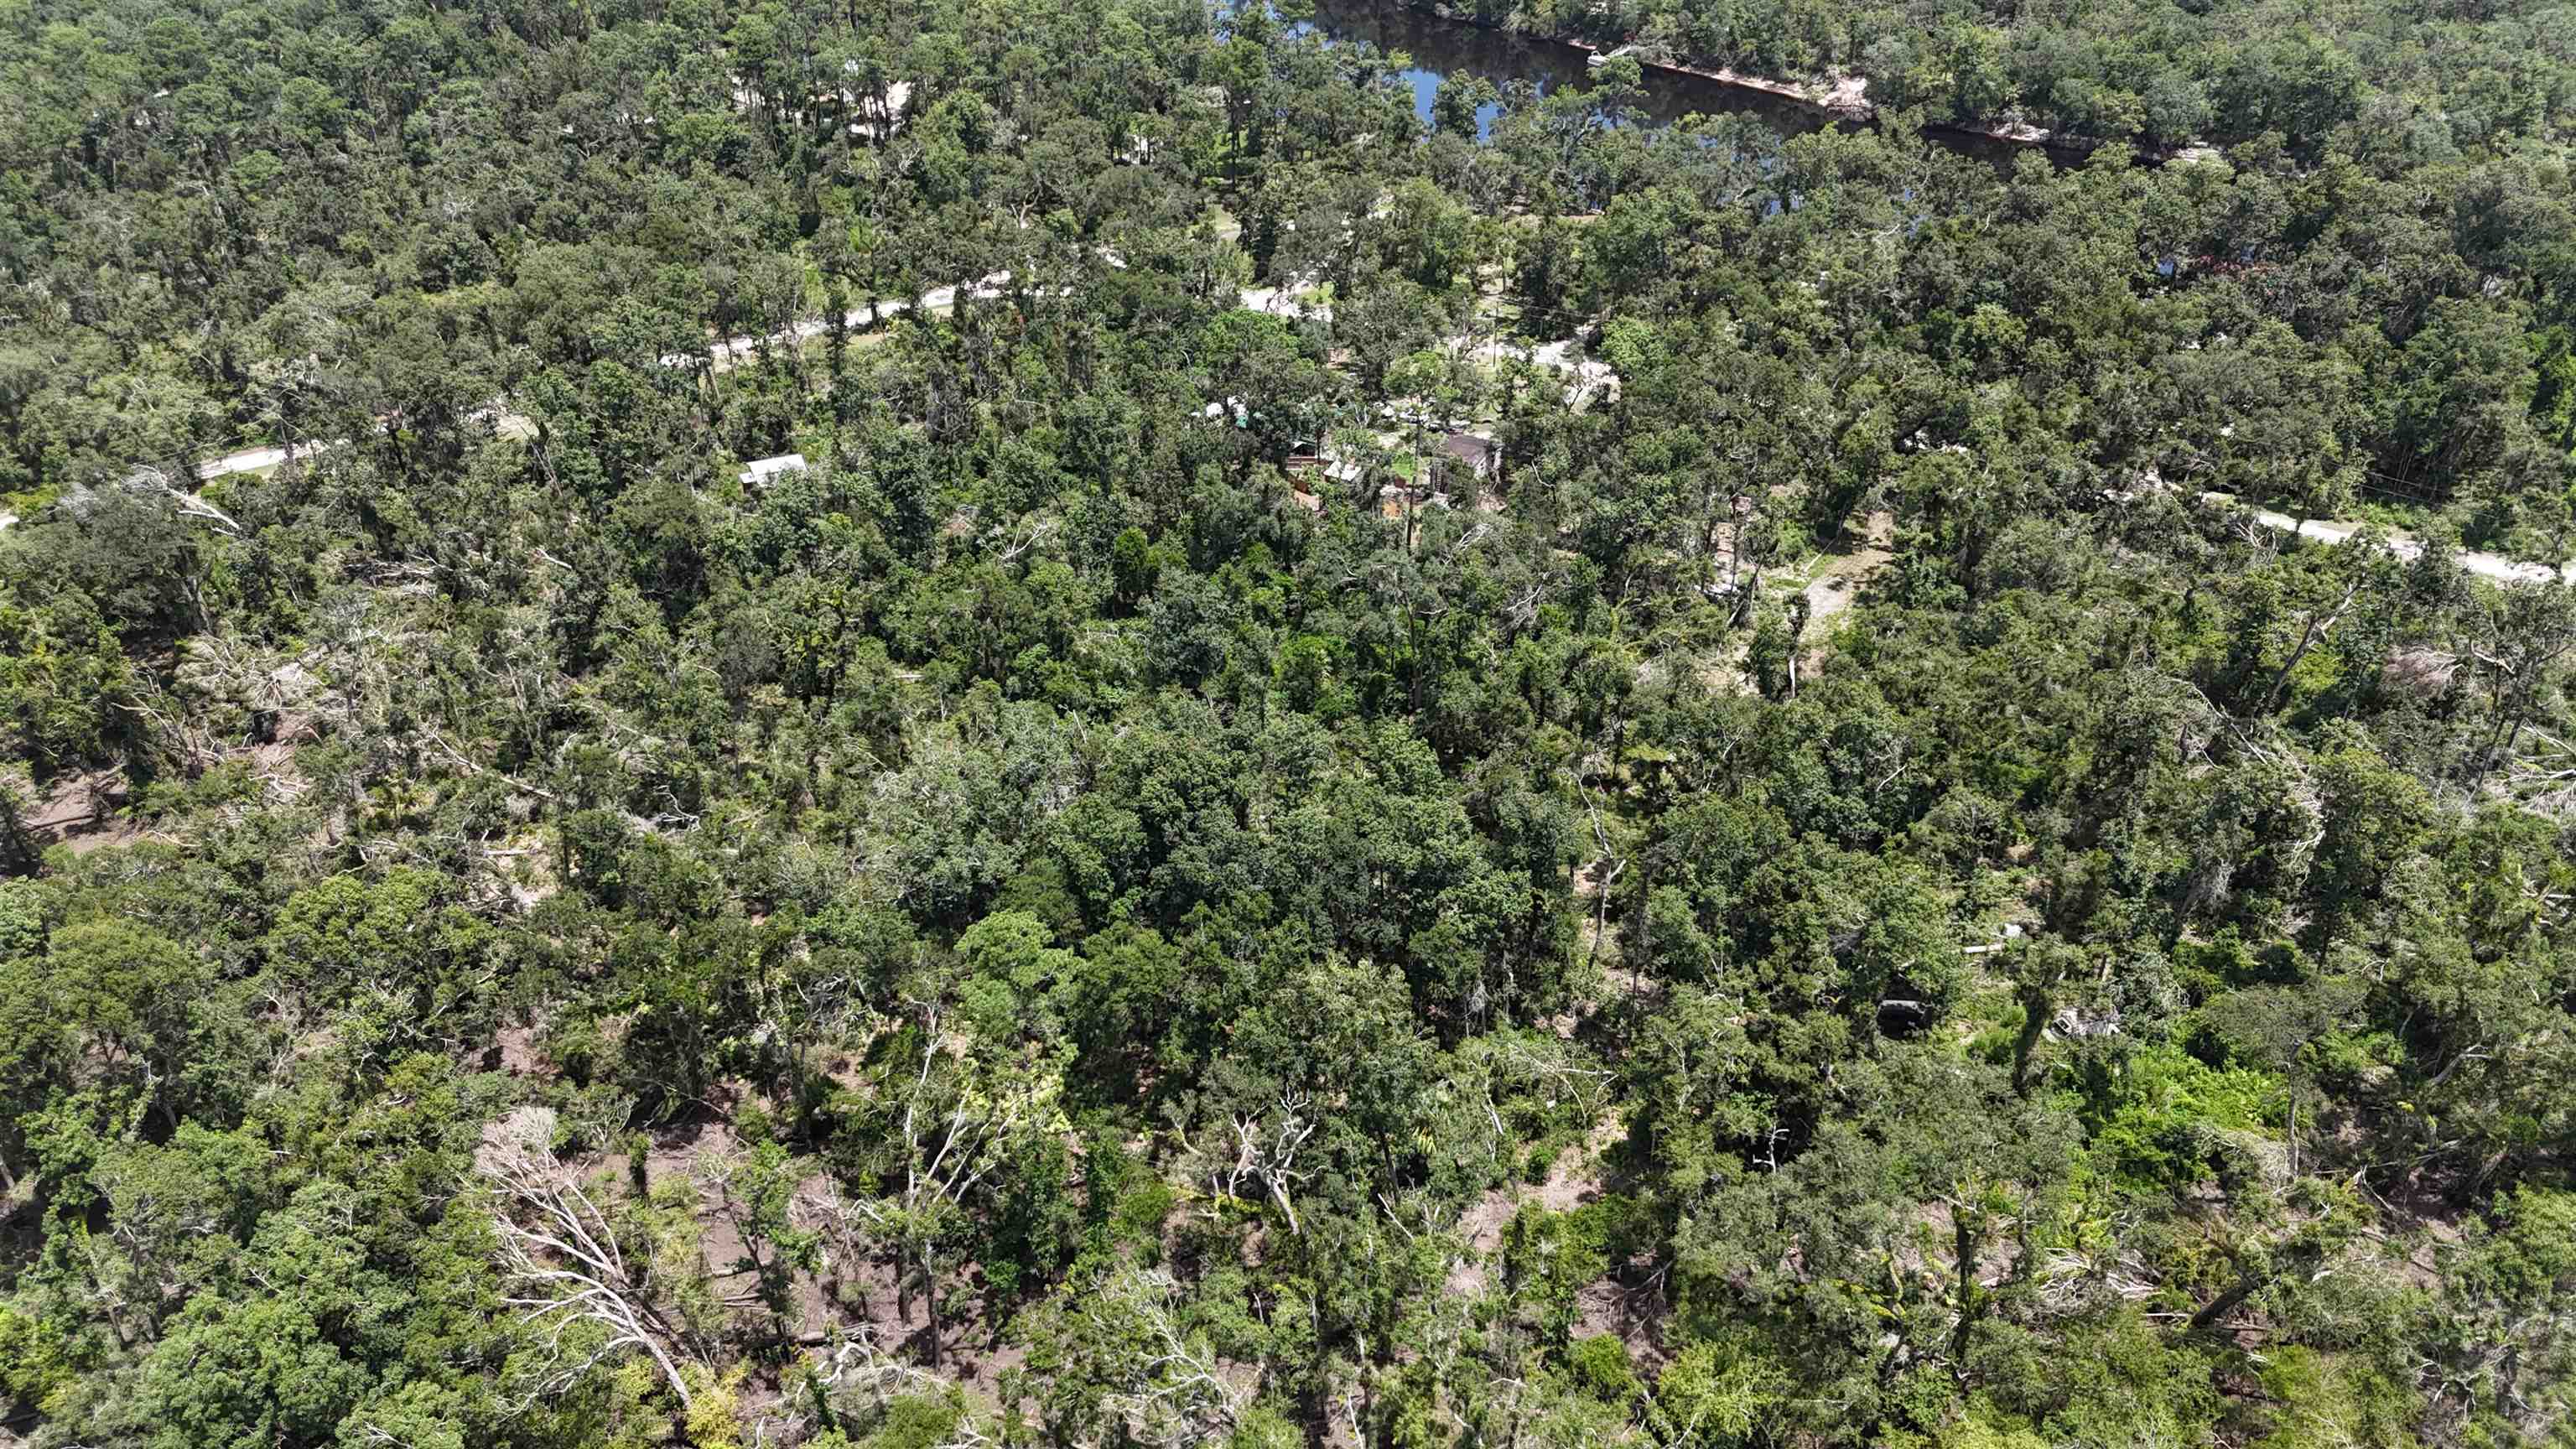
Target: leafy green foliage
1397, 774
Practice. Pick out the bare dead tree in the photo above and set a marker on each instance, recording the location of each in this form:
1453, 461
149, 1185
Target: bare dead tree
856, 1365
952, 1132
1039, 533
566, 1269
2316, 628
1175, 1391
1270, 1158
1618, 865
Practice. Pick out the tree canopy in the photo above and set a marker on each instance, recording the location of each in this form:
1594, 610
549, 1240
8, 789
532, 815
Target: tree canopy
1051, 725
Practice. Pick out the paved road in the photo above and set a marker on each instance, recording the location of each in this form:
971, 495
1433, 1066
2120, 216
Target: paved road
2326, 530
733, 351
724, 355
250, 460
1270, 299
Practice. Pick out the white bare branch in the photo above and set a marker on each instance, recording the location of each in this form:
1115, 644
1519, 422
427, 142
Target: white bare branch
561, 1257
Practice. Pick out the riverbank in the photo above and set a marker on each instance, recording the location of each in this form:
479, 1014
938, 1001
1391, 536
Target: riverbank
1846, 99
1830, 100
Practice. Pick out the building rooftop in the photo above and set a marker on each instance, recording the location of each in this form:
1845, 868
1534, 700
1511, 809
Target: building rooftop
761, 470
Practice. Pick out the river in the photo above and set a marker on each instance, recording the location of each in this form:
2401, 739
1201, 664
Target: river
1439, 48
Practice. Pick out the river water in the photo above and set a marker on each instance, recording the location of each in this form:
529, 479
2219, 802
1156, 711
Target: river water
1439, 48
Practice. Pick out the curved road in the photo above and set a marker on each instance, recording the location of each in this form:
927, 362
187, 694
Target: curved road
1269, 299
2326, 530
733, 351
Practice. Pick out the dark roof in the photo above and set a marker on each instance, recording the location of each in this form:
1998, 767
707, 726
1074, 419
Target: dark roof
1470, 448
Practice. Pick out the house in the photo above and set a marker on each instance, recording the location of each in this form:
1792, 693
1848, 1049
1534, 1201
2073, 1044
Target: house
761, 470
1330, 460
1465, 462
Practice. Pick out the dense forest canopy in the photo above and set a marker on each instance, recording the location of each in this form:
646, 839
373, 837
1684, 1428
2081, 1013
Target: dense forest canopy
947, 724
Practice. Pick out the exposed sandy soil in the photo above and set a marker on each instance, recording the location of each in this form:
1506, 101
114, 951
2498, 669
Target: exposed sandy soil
1573, 1181
74, 805
1845, 573
520, 1051
1629, 1307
